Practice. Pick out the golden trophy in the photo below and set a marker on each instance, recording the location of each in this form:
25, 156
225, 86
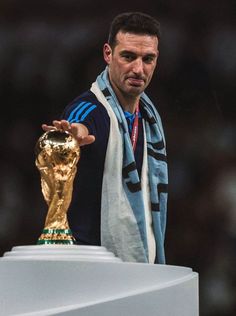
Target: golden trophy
57, 154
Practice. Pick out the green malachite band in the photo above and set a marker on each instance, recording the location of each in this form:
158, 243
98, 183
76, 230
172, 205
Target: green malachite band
50, 242
57, 231
56, 236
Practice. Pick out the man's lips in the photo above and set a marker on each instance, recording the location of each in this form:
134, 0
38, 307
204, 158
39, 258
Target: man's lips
135, 81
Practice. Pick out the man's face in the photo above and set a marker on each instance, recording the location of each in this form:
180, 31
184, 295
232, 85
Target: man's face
131, 62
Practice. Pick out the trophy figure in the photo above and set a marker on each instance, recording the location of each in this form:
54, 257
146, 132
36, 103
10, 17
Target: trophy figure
57, 154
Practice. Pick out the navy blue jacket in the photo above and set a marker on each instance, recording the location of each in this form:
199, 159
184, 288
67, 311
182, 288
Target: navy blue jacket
84, 213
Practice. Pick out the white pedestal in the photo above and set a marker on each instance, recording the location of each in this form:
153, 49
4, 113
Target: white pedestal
60, 252
86, 281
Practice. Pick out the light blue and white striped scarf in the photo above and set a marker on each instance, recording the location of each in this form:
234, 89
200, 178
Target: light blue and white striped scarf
123, 227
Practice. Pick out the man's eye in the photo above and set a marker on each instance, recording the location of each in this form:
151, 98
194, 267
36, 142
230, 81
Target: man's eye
128, 57
148, 59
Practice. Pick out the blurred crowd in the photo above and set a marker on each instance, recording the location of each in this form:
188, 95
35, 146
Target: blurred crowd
50, 54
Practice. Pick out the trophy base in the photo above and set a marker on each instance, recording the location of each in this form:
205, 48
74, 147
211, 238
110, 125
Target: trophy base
56, 236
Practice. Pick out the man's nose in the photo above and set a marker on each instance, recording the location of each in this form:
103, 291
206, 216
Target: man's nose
138, 66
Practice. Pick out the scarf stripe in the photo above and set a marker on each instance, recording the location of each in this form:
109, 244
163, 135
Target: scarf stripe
157, 156
158, 146
127, 169
155, 207
134, 187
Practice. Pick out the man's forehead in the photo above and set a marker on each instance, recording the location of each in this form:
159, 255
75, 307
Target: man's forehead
127, 40
128, 37
124, 34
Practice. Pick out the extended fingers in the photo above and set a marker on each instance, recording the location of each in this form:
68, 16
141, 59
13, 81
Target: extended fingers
47, 128
57, 124
65, 125
62, 125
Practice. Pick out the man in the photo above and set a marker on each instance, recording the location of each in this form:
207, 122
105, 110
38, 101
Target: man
120, 190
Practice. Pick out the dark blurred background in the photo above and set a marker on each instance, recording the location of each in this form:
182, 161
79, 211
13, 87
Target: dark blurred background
51, 51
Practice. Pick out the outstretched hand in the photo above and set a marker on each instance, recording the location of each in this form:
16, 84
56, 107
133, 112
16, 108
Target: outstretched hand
79, 131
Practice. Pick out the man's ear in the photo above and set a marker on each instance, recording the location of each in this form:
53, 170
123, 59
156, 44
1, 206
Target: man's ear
107, 53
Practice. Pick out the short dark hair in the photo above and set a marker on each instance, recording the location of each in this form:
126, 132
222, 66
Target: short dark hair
133, 22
